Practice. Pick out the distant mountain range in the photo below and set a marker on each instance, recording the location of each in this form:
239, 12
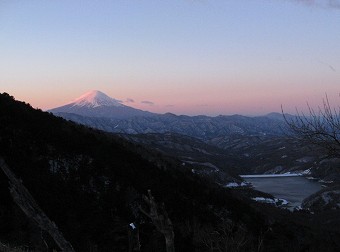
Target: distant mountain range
219, 148
97, 110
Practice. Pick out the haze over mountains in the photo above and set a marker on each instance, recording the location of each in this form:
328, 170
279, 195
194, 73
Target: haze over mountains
95, 109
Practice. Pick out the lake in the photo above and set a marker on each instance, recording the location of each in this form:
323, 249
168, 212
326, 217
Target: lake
294, 189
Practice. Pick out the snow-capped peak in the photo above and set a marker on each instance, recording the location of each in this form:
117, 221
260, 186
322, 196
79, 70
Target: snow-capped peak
94, 99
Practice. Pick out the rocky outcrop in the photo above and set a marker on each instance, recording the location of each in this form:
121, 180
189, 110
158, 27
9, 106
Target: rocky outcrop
29, 206
326, 199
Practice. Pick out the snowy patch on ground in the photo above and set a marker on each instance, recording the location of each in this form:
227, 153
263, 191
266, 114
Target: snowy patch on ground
325, 181
210, 165
305, 159
288, 174
311, 178
235, 184
298, 208
275, 201
202, 151
307, 172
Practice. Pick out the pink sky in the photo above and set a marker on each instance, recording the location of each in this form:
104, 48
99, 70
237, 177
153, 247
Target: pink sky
185, 57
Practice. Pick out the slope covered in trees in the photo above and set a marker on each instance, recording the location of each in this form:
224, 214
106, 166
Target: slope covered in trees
91, 184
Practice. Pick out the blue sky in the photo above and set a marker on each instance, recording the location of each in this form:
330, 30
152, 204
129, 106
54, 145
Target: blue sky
183, 56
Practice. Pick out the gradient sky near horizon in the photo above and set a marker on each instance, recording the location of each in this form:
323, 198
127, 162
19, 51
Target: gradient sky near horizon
181, 56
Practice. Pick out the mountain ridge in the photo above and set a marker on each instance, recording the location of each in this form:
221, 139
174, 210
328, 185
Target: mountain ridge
95, 98
97, 104
91, 184
129, 120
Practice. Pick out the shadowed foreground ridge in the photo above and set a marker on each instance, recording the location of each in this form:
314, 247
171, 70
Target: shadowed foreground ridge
91, 184
29, 206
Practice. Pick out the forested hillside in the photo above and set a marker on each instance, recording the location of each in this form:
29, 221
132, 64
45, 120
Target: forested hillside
91, 184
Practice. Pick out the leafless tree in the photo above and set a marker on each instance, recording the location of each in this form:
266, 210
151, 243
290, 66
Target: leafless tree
319, 127
226, 236
160, 220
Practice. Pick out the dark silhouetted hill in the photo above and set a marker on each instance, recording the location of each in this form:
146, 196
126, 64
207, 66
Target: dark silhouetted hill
90, 183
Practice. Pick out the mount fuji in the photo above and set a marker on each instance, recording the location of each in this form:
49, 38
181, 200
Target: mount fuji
97, 104
94, 99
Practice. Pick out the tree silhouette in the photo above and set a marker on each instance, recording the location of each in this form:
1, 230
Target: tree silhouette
319, 127
161, 220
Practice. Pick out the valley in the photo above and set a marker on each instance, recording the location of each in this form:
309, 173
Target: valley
98, 184
219, 148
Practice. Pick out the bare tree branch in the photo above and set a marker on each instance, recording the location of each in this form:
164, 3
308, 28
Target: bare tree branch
161, 221
321, 127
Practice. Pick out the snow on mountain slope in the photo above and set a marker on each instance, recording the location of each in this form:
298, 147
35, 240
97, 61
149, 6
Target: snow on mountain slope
94, 99
97, 104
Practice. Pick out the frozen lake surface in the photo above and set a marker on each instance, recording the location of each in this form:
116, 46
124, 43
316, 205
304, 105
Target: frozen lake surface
294, 189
